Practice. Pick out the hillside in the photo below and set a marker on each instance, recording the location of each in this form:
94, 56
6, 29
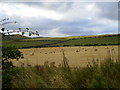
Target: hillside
98, 40
14, 37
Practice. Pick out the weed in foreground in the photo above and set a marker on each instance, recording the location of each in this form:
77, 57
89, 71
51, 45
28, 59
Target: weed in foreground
95, 75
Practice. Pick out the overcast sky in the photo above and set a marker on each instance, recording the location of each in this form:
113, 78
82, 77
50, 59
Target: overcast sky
59, 19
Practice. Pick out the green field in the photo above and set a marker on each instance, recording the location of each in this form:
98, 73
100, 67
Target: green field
92, 41
25, 42
13, 37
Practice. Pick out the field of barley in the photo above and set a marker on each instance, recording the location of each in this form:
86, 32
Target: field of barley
78, 56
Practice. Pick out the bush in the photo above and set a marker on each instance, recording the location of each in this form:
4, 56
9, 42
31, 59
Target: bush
76, 45
9, 53
7, 65
66, 45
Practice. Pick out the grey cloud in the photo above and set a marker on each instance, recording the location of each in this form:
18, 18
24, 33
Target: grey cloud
56, 6
108, 10
75, 27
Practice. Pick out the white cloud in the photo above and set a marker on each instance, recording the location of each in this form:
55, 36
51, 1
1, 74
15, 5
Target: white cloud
89, 18
90, 7
39, 12
82, 11
55, 33
29, 12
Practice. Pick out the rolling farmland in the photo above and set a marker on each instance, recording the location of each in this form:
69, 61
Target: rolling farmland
79, 50
63, 61
100, 40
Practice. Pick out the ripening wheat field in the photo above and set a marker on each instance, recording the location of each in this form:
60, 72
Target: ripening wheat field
77, 56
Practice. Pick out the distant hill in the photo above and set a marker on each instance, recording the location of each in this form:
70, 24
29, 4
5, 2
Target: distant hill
26, 42
14, 37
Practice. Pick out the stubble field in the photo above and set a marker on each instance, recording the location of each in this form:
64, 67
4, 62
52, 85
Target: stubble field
77, 56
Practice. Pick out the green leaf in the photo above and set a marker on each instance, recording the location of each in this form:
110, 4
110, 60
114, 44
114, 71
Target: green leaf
3, 29
19, 28
33, 33
27, 28
30, 34
38, 34
23, 33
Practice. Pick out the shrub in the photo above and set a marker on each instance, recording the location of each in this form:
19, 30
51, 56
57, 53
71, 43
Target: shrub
66, 45
9, 53
77, 45
7, 65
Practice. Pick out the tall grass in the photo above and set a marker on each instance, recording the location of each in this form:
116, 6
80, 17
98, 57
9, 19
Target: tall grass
95, 75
